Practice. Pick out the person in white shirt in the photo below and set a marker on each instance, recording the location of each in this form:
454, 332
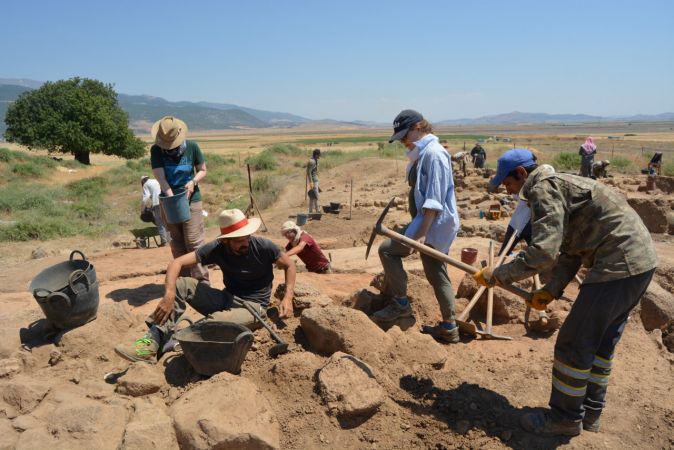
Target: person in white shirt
150, 201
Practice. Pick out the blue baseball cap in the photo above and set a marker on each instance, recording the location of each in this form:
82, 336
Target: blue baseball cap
509, 161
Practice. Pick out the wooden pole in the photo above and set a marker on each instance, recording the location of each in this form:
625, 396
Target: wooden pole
351, 199
490, 291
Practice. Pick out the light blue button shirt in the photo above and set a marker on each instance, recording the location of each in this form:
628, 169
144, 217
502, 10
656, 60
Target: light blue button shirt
435, 190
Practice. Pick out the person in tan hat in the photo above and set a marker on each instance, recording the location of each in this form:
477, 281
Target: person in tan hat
179, 166
303, 245
247, 265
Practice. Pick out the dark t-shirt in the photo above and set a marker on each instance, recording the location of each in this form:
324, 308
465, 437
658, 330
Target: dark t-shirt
250, 276
311, 255
179, 171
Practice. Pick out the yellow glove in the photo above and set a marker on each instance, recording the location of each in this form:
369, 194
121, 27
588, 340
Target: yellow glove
540, 299
485, 277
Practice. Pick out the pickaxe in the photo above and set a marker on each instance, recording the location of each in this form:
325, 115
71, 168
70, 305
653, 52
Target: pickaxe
380, 228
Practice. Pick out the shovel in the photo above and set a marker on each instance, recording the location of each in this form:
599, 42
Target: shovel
281, 346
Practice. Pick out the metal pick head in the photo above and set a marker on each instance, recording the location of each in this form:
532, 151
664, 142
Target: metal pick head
377, 227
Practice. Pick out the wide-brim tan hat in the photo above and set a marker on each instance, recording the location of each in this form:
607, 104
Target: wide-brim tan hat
233, 223
169, 132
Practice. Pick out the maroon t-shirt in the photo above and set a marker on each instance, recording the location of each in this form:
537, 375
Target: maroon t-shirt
311, 255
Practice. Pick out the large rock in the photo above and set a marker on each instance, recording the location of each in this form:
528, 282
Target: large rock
227, 413
304, 296
157, 433
657, 307
349, 387
507, 307
416, 349
668, 336
23, 396
140, 379
337, 328
653, 212
96, 339
77, 423
10, 367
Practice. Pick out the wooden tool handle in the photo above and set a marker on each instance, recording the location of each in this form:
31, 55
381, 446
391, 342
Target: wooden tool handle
443, 257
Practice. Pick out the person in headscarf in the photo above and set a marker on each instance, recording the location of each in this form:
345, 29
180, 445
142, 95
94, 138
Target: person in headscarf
301, 243
587, 152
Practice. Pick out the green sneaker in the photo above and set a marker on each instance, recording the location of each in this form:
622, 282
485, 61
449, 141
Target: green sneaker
143, 349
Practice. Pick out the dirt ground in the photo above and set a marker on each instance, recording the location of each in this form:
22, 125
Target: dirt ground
473, 401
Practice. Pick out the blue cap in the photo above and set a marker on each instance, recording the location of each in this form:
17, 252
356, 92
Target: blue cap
509, 161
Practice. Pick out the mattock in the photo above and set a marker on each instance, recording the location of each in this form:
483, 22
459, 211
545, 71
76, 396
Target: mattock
468, 327
379, 228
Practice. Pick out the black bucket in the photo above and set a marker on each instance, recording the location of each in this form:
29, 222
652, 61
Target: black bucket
212, 346
67, 292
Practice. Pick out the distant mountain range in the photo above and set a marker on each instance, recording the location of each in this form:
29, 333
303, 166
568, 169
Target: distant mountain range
516, 117
144, 110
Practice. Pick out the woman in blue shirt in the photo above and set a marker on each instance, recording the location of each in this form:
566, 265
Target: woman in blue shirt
435, 224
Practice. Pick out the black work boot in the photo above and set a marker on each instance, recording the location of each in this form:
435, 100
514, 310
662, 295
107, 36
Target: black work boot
591, 420
542, 424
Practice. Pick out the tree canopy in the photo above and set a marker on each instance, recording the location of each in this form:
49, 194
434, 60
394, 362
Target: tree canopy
78, 116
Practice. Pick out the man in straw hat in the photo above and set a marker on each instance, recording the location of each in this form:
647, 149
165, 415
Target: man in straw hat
179, 166
577, 221
247, 264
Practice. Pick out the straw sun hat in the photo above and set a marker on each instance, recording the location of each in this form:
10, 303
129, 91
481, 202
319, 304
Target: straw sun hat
233, 223
169, 132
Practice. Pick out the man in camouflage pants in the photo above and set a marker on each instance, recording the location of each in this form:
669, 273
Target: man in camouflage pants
577, 221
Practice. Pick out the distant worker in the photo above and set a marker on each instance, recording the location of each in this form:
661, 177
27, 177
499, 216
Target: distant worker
479, 156
599, 169
587, 152
303, 245
179, 166
312, 177
577, 221
150, 200
436, 224
655, 164
461, 160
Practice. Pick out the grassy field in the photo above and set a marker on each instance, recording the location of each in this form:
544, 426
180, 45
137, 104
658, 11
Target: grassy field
42, 198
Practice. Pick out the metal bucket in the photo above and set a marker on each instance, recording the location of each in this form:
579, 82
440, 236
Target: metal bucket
212, 346
176, 207
67, 292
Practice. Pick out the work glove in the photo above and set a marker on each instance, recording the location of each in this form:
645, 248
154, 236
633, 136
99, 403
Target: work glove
485, 277
540, 299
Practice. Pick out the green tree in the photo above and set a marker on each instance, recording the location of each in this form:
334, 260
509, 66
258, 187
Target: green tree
78, 116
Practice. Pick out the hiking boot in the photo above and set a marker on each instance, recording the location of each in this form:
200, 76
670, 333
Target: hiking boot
393, 311
591, 420
143, 349
442, 334
542, 424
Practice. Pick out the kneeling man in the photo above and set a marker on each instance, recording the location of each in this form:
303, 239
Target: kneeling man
247, 264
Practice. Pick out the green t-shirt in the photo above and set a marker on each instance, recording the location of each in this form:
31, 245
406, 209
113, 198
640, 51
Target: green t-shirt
179, 170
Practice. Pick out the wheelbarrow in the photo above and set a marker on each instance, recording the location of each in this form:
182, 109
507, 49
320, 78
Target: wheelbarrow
144, 236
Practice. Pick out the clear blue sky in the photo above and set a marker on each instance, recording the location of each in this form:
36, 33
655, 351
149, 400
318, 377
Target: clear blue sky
362, 59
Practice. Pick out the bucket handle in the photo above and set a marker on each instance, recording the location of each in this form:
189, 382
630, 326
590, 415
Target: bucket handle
84, 258
63, 296
244, 337
76, 274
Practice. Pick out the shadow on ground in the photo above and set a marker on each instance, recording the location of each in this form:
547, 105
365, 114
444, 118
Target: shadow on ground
138, 296
470, 406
